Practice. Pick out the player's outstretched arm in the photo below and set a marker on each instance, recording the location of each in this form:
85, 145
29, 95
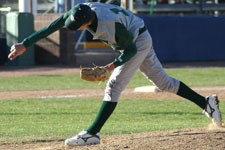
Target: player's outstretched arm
19, 48
16, 50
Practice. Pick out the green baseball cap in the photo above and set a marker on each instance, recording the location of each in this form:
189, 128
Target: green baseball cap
80, 14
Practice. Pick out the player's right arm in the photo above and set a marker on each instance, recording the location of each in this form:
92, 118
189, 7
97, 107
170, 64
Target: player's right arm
19, 48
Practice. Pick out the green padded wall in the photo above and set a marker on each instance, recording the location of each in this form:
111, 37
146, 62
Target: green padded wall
18, 27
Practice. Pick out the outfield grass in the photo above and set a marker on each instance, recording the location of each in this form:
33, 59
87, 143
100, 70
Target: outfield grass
192, 77
53, 119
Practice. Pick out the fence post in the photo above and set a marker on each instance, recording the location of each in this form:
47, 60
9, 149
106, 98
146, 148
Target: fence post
18, 27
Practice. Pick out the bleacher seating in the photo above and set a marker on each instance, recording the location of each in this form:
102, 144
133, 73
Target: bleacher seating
202, 8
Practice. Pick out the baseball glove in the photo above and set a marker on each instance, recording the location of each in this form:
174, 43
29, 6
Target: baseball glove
97, 73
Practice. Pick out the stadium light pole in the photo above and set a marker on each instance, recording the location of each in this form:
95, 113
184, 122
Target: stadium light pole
24, 5
34, 6
28, 6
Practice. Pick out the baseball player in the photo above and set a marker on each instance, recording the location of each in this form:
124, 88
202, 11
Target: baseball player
127, 33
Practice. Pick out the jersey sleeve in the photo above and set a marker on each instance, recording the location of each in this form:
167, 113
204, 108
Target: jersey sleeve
124, 41
44, 32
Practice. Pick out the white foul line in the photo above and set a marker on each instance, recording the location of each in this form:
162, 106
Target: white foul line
126, 93
70, 96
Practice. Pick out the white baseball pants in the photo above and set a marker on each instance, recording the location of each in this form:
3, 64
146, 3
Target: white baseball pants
148, 63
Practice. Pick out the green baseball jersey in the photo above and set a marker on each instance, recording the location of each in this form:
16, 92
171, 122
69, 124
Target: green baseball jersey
114, 22
114, 25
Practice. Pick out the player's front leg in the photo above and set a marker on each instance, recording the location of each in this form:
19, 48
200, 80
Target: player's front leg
91, 135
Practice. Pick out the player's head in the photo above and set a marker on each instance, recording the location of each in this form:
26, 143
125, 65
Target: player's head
80, 15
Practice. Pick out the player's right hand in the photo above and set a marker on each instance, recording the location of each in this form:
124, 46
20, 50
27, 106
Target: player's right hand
16, 50
110, 67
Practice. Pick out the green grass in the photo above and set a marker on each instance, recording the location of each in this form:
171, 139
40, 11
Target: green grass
192, 77
36, 119
55, 119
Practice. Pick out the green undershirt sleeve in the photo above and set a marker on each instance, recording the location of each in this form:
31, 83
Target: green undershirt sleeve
124, 41
129, 52
44, 32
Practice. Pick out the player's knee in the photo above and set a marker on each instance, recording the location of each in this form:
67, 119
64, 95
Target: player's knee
168, 85
113, 91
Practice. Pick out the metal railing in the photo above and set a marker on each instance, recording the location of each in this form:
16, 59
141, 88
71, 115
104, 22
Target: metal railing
184, 6
3, 12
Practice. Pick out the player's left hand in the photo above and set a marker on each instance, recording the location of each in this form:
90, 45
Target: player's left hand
97, 73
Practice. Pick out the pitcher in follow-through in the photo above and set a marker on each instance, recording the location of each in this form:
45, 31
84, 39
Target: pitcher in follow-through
127, 33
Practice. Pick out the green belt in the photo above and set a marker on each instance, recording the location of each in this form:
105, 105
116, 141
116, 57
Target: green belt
141, 30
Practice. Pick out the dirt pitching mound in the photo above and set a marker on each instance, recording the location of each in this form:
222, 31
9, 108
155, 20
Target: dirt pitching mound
206, 138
